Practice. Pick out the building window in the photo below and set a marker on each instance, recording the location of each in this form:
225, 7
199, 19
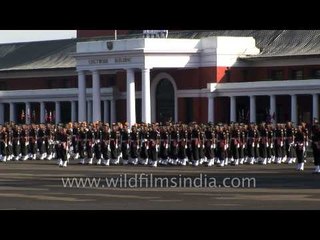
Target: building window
277, 75
297, 74
316, 74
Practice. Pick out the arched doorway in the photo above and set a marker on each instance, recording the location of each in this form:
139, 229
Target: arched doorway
165, 101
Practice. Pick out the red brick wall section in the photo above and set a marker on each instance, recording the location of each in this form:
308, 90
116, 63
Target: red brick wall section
99, 33
207, 75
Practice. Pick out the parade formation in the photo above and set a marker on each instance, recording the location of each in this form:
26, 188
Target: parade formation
161, 144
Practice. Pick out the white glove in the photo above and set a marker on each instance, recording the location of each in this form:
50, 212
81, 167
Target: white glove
185, 146
281, 144
238, 145
18, 143
258, 145
166, 145
304, 148
307, 143
267, 144
198, 145
211, 146
225, 147
253, 144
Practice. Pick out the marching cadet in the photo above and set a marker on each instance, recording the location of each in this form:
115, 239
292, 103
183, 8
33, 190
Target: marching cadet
114, 145
105, 145
182, 145
163, 151
209, 145
222, 145
124, 143
89, 144
289, 142
189, 151
256, 144
82, 142
9, 148
278, 143
195, 144
228, 139
97, 131
41, 141
299, 145
283, 148
32, 142
242, 146
24, 142
173, 147
16, 142
3, 144
234, 144
202, 156
306, 140
48, 141
144, 145
316, 146
263, 143
270, 144
75, 140
251, 139
153, 150
134, 146
62, 147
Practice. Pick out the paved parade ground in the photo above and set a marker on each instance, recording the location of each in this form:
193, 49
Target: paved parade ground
40, 185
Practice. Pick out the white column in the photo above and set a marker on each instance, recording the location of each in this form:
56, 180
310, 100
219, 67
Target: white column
146, 98
315, 106
273, 109
1, 113
96, 96
73, 111
233, 116
28, 113
131, 98
12, 112
210, 109
113, 111
253, 109
89, 108
82, 108
58, 113
106, 111
42, 112
294, 108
